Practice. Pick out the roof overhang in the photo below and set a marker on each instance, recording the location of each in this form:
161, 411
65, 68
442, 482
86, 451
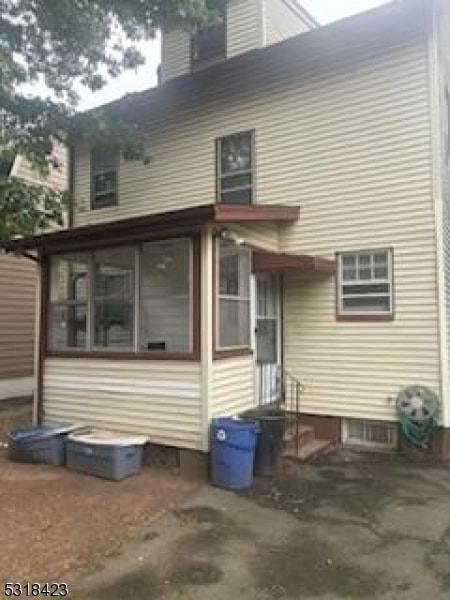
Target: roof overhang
278, 261
179, 222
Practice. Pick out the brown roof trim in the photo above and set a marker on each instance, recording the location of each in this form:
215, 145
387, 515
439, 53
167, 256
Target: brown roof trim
233, 213
160, 225
275, 261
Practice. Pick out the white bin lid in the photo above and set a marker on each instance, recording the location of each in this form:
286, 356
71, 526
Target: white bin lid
107, 438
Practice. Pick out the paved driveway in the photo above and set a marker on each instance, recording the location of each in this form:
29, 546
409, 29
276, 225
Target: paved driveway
351, 527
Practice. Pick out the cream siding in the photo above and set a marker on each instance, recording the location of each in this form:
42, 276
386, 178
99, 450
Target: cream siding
175, 54
283, 19
442, 167
350, 143
259, 236
232, 386
244, 26
155, 398
17, 297
57, 177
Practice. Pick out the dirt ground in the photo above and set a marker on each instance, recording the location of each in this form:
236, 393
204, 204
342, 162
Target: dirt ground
55, 524
352, 527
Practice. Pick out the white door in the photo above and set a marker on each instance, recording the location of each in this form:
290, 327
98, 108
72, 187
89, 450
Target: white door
268, 338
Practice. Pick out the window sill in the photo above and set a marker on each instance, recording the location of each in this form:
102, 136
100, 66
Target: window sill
365, 318
121, 355
232, 353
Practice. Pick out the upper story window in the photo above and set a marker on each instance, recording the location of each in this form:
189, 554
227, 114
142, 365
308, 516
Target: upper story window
365, 283
235, 171
104, 179
209, 43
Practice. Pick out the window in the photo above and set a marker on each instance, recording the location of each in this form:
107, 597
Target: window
166, 303
209, 43
365, 283
113, 298
129, 299
235, 168
68, 301
233, 285
104, 179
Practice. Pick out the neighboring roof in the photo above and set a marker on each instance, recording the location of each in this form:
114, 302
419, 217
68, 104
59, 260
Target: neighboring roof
295, 57
151, 226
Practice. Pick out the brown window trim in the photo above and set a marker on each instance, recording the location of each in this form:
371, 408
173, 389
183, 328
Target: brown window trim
122, 355
193, 356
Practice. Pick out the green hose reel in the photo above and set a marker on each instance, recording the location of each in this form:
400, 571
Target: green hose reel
418, 412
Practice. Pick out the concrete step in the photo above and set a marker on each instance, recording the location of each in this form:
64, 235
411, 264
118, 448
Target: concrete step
308, 451
305, 434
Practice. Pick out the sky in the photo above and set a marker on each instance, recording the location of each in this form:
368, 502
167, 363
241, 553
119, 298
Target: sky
325, 11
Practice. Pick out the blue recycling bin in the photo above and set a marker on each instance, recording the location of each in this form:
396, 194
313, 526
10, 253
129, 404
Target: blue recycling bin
232, 453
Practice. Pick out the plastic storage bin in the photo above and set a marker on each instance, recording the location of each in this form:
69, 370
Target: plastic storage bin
232, 452
38, 444
110, 457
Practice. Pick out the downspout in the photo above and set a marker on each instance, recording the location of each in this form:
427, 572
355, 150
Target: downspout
437, 174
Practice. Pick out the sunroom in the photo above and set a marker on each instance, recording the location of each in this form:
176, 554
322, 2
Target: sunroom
154, 325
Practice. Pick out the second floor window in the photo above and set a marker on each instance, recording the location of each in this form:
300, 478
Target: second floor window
104, 180
235, 175
209, 43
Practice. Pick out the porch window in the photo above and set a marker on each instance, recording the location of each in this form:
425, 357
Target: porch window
235, 172
68, 301
209, 44
113, 298
233, 303
134, 299
166, 296
365, 283
104, 179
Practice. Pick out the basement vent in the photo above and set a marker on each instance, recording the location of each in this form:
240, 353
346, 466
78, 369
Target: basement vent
370, 434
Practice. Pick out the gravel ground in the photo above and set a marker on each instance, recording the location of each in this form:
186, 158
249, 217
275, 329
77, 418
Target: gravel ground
56, 524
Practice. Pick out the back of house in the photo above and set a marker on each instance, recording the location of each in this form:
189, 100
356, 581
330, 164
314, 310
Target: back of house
291, 219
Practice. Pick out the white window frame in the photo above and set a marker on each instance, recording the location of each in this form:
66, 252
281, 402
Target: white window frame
222, 177
98, 172
341, 311
220, 297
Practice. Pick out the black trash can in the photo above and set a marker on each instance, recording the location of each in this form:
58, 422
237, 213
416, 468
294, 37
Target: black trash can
270, 439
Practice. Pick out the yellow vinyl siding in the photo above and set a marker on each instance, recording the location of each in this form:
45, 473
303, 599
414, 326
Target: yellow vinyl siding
350, 143
17, 299
304, 149
283, 20
155, 398
244, 26
57, 177
232, 386
175, 54
257, 235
